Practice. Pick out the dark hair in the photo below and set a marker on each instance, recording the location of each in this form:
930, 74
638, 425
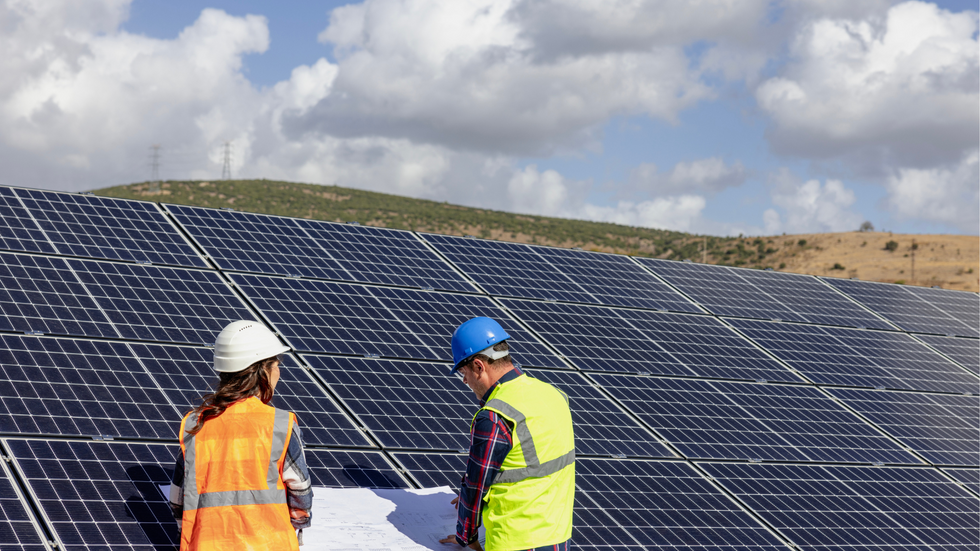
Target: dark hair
497, 348
233, 387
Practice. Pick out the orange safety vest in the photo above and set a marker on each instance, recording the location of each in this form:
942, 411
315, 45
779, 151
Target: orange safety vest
234, 498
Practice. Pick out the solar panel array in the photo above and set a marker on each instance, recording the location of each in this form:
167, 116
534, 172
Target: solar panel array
714, 407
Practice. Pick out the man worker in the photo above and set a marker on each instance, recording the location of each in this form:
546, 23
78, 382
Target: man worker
520, 475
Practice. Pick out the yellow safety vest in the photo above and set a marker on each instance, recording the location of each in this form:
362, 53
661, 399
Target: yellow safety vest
530, 502
234, 497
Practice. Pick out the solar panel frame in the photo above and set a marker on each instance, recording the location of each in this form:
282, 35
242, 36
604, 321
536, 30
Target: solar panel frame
940, 427
965, 352
708, 420
857, 357
902, 308
970, 478
19, 528
855, 507
18, 229
108, 228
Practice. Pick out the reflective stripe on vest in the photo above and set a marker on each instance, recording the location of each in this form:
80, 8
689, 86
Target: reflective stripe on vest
193, 500
534, 468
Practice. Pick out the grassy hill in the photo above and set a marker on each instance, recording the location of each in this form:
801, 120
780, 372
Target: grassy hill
953, 266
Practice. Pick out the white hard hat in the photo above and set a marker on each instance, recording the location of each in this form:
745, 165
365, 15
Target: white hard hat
242, 343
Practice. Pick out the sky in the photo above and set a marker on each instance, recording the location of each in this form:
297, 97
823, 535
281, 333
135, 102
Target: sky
719, 117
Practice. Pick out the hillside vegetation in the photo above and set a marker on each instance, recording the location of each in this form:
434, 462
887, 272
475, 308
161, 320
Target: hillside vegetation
946, 260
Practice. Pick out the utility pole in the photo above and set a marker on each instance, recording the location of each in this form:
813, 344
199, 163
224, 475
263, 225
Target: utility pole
154, 186
226, 167
914, 247
704, 251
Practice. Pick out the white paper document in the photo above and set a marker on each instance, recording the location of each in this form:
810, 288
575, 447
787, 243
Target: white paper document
349, 519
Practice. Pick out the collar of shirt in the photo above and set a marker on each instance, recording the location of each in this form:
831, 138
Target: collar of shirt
509, 376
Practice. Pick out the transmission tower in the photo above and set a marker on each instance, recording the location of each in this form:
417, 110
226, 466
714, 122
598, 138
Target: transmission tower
154, 186
226, 167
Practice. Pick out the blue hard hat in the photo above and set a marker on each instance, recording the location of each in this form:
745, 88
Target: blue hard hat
474, 336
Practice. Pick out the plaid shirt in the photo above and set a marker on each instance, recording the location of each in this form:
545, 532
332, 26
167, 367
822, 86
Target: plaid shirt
295, 476
490, 442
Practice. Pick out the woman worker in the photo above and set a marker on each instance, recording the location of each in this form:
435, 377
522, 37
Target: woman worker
241, 480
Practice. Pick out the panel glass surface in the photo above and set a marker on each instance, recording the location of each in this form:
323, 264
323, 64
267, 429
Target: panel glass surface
78, 387
854, 357
635, 341
903, 308
763, 295
102, 227
432, 318
847, 508
509, 269
186, 374
969, 477
615, 280
42, 294
351, 469
17, 531
942, 428
748, 421
961, 305
162, 304
18, 231
99, 495
385, 256
965, 352
407, 405
259, 243
601, 428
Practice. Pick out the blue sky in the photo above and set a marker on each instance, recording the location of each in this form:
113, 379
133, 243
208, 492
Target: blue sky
756, 117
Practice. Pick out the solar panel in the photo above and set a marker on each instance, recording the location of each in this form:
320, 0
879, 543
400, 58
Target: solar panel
903, 308
351, 469
160, 303
873, 508
854, 357
601, 428
750, 421
405, 405
186, 374
73, 387
41, 294
941, 427
18, 231
961, 305
965, 352
259, 243
762, 295
99, 495
18, 532
640, 341
385, 256
970, 478
103, 227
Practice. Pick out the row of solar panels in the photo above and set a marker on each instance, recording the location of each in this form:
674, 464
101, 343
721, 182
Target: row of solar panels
99, 385
88, 226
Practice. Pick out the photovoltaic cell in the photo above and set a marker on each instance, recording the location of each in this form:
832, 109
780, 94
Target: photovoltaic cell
70, 387
903, 308
601, 428
41, 294
186, 374
847, 508
941, 428
969, 477
102, 227
748, 421
960, 305
385, 256
17, 531
18, 231
406, 405
615, 280
965, 352
854, 357
635, 341
162, 304
763, 295
351, 469
434, 469
99, 495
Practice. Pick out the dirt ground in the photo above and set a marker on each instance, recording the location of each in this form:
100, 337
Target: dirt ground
950, 261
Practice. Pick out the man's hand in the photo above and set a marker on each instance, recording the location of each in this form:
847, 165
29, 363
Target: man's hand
455, 502
452, 539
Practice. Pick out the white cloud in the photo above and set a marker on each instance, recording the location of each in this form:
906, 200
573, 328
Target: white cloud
879, 92
708, 176
809, 207
945, 195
